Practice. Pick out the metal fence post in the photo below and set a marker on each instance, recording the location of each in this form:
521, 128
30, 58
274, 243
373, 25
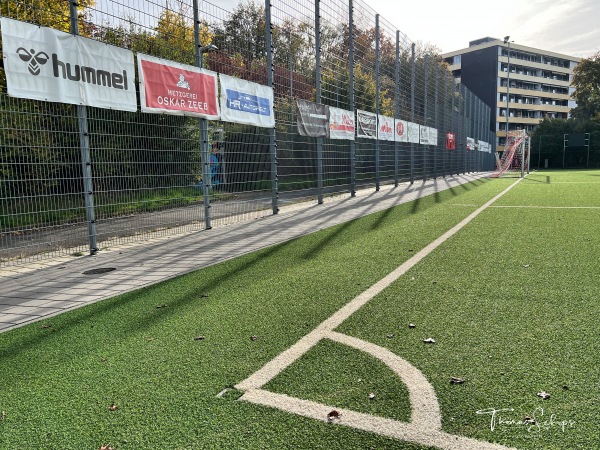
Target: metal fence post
464, 126
425, 110
435, 118
412, 111
84, 144
351, 94
397, 109
318, 99
377, 101
203, 124
272, 135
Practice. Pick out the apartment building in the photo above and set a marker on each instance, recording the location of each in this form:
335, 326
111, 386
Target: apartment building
540, 82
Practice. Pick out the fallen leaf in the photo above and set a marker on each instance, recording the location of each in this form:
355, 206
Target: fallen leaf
203, 295
2, 415
526, 265
429, 341
543, 395
333, 415
161, 306
411, 325
565, 387
113, 407
46, 325
371, 396
456, 380
199, 338
105, 447
253, 338
529, 420
389, 336
150, 339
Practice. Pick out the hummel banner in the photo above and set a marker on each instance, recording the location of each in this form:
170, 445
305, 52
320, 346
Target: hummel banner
433, 136
313, 119
341, 124
172, 88
424, 135
246, 102
367, 124
45, 64
385, 128
470, 143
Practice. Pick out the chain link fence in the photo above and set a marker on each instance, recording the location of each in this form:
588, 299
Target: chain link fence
79, 179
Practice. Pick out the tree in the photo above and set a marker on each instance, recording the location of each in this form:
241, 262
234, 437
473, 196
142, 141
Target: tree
586, 81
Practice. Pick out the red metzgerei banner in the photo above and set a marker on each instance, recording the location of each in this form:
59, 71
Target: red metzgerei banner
171, 88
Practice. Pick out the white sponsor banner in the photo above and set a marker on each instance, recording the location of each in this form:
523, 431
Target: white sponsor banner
366, 124
423, 135
401, 130
385, 128
413, 132
341, 124
246, 102
470, 143
45, 64
433, 136
167, 87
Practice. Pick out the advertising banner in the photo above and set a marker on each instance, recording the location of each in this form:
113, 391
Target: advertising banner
385, 128
450, 141
313, 119
413, 132
45, 64
168, 87
424, 135
401, 131
367, 124
470, 143
246, 102
433, 136
341, 124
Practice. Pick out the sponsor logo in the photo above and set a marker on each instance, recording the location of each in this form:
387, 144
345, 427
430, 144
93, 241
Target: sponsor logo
182, 83
400, 129
385, 128
73, 72
34, 59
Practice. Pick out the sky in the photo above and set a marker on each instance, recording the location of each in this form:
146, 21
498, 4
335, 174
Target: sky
562, 26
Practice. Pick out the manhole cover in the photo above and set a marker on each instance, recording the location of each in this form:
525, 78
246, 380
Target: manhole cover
98, 270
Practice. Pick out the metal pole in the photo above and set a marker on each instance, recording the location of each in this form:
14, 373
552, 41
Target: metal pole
84, 145
412, 112
540, 151
425, 112
377, 101
523, 154
203, 124
452, 115
272, 136
397, 97
464, 126
507, 95
435, 118
587, 164
318, 99
351, 94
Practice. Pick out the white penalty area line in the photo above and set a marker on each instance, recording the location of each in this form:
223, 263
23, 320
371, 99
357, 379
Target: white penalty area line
271, 369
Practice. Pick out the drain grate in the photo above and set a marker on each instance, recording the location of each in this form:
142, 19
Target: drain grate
99, 270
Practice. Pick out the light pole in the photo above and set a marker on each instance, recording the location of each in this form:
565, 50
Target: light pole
506, 41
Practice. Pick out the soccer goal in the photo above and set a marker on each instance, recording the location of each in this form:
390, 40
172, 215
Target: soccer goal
515, 159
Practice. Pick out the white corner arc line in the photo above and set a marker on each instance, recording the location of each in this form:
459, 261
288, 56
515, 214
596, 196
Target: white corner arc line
424, 431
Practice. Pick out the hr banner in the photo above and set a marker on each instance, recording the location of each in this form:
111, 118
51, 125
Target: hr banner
246, 102
45, 64
313, 119
470, 143
450, 141
341, 124
367, 124
173, 88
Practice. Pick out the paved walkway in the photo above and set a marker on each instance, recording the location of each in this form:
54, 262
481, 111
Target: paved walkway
34, 292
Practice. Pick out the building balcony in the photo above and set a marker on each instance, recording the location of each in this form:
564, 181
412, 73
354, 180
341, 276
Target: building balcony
532, 79
535, 65
534, 94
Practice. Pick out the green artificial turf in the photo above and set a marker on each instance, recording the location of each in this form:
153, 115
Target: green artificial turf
163, 353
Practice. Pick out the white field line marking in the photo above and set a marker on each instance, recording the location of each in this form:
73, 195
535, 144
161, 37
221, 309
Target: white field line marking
366, 422
424, 430
271, 369
531, 206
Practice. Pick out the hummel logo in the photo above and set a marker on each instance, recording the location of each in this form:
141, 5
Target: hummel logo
35, 59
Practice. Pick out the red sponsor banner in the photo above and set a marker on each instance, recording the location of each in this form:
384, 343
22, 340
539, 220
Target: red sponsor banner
450, 141
169, 87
